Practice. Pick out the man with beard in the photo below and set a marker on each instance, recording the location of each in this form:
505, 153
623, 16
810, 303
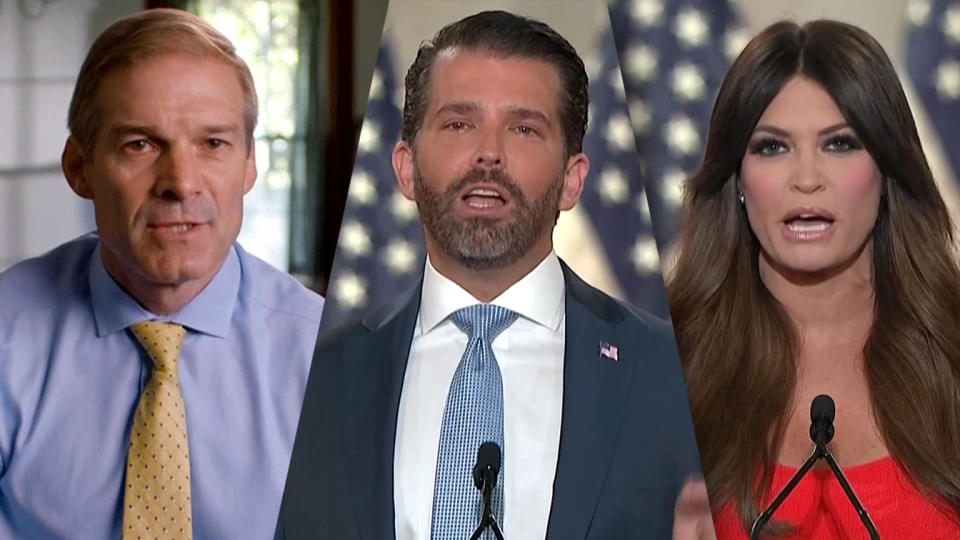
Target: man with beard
501, 342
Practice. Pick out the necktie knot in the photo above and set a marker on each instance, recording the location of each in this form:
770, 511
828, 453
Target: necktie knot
483, 321
162, 341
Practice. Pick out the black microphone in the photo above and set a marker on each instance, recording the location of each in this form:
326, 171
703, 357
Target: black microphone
822, 413
485, 474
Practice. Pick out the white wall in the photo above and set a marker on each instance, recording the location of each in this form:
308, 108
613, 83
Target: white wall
43, 45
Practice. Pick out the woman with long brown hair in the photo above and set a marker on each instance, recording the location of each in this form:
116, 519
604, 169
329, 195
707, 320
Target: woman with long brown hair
817, 257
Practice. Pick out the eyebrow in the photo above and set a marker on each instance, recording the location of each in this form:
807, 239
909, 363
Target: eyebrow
122, 129
782, 133
524, 113
516, 112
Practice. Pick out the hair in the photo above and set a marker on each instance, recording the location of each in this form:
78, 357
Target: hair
503, 34
740, 393
145, 35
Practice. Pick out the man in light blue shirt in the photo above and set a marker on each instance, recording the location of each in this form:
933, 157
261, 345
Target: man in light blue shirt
161, 127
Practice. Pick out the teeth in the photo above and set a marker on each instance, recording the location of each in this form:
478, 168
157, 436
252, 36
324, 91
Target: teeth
180, 228
480, 203
808, 226
484, 192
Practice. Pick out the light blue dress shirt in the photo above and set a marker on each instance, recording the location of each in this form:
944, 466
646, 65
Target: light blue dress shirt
71, 375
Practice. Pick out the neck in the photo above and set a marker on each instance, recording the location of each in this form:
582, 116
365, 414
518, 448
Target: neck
834, 302
158, 298
485, 284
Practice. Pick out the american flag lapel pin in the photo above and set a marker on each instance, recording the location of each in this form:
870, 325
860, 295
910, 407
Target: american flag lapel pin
608, 351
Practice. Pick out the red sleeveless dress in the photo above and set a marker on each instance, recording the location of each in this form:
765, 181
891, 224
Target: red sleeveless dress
819, 509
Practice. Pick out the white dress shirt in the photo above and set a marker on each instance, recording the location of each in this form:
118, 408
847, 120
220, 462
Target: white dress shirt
530, 355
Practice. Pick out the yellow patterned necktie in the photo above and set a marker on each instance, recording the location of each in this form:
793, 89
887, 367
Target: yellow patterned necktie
156, 498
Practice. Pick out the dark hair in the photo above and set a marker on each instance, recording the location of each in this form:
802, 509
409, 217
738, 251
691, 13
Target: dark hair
740, 393
503, 34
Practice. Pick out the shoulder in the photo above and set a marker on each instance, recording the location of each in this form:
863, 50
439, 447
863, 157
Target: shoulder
614, 311
274, 290
46, 281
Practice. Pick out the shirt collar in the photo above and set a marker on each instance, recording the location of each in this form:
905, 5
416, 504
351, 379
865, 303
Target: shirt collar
209, 312
538, 296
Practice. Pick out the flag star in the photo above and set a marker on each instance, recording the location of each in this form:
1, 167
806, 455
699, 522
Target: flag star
354, 239
640, 116
691, 28
672, 186
362, 189
376, 85
951, 24
643, 207
350, 290
402, 208
734, 41
918, 12
369, 137
948, 80
644, 256
641, 63
682, 136
687, 82
400, 256
613, 186
619, 133
647, 12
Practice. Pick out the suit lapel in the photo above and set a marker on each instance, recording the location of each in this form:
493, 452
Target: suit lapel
374, 366
595, 391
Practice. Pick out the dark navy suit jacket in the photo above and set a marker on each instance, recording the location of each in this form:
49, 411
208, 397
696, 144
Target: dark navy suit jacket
626, 438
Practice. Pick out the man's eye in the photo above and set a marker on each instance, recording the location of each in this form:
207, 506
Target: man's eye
138, 145
526, 130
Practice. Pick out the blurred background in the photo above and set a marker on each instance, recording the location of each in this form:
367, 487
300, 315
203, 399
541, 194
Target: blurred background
317, 62
606, 238
675, 54
647, 120
311, 61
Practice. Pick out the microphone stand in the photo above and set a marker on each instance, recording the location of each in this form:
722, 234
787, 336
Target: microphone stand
486, 517
819, 452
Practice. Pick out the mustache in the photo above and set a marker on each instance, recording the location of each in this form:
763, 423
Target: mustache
194, 210
490, 176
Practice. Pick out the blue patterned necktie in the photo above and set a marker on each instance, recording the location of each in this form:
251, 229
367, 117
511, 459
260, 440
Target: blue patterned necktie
473, 415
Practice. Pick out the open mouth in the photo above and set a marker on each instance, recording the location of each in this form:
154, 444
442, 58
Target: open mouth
808, 220
484, 197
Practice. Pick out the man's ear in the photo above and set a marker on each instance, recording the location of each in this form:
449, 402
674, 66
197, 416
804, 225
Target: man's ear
73, 163
250, 169
574, 175
403, 168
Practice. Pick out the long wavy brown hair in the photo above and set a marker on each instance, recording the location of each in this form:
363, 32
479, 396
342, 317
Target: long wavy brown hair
737, 341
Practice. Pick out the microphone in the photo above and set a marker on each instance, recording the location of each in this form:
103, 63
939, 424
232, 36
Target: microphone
822, 413
485, 474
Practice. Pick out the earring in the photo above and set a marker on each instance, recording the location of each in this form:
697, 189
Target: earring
740, 196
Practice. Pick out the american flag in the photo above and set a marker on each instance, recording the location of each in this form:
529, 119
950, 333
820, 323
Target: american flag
380, 250
614, 193
933, 61
674, 56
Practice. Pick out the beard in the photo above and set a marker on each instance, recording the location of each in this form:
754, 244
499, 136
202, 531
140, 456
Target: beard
481, 243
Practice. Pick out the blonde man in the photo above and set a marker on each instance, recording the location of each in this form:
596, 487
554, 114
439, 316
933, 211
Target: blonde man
151, 372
